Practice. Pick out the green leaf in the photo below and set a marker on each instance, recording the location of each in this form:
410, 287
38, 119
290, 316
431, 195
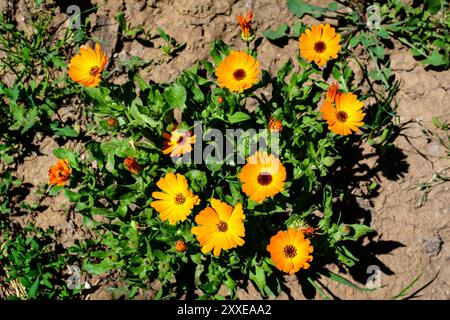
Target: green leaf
163, 34
259, 277
120, 18
332, 6
238, 117
324, 223
319, 289
328, 161
359, 231
66, 131
122, 148
345, 256
196, 258
72, 196
354, 41
367, 41
198, 179
406, 289
55, 190
285, 70
34, 289
118, 192
25, 118
141, 118
297, 29
175, 96
99, 268
64, 154
436, 59
335, 277
437, 122
281, 32
143, 85
103, 212
300, 8
382, 33
379, 52
433, 6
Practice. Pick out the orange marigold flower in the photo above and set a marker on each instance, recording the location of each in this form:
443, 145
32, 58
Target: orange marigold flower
59, 173
263, 176
275, 126
87, 66
290, 251
220, 227
180, 246
132, 165
320, 44
175, 201
178, 142
239, 71
345, 116
332, 91
247, 33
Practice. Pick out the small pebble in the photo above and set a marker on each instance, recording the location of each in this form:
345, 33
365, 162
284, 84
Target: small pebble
432, 245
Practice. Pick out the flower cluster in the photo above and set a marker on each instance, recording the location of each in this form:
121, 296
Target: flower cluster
220, 226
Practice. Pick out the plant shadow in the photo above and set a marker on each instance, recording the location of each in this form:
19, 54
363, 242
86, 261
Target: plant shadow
352, 178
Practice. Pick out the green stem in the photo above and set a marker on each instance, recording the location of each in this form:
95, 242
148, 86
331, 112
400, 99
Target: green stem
383, 77
410, 45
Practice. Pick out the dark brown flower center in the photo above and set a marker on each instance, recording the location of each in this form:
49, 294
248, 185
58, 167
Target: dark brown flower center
222, 226
342, 116
239, 74
290, 251
320, 46
94, 71
180, 139
264, 178
180, 199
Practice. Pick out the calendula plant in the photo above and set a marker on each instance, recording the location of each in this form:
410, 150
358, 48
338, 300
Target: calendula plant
33, 85
188, 208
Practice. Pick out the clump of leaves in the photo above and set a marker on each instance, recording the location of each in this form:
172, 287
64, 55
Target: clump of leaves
33, 84
32, 266
172, 46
